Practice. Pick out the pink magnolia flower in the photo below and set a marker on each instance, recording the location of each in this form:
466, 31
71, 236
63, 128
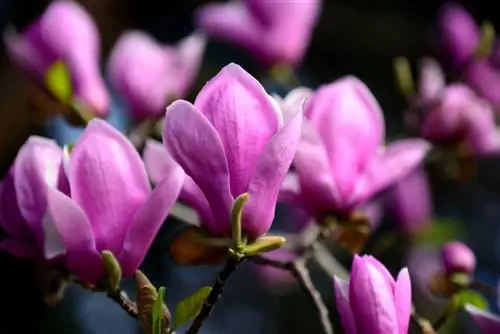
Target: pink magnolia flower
486, 322
65, 32
276, 279
458, 257
409, 203
23, 198
460, 36
148, 74
110, 205
372, 302
341, 161
273, 31
232, 141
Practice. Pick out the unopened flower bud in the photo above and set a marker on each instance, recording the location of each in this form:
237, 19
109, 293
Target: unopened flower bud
458, 258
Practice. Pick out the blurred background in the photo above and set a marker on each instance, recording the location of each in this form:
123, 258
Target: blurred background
352, 37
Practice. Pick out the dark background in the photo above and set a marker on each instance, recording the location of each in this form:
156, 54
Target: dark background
352, 37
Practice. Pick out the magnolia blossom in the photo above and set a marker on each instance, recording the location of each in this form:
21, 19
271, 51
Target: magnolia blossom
453, 114
108, 203
458, 257
372, 302
486, 322
460, 37
232, 141
148, 74
409, 203
23, 198
275, 32
66, 33
341, 161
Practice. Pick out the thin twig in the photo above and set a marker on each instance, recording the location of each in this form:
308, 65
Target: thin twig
299, 270
214, 295
424, 324
121, 298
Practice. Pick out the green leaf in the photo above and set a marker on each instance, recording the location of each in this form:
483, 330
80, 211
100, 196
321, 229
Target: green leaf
157, 312
487, 40
189, 308
58, 82
440, 231
465, 297
264, 244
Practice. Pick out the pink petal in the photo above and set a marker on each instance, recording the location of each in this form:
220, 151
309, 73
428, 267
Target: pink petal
19, 248
268, 176
290, 189
82, 257
71, 33
382, 269
192, 195
196, 146
318, 189
484, 77
108, 180
460, 33
372, 302
190, 51
148, 220
231, 22
158, 161
36, 167
140, 70
398, 160
350, 122
11, 219
241, 112
402, 300
431, 80
343, 306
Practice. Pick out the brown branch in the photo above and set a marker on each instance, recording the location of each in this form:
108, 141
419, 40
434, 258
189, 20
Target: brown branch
128, 305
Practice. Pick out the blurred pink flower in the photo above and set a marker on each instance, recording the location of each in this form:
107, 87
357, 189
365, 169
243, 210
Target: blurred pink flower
275, 32
458, 257
148, 74
65, 32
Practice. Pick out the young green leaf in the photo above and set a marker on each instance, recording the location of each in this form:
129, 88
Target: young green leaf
264, 244
58, 82
157, 311
236, 215
189, 308
465, 297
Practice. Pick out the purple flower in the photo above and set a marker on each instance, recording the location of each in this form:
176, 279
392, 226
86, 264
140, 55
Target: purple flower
372, 302
65, 32
460, 34
232, 141
23, 198
462, 117
487, 322
341, 160
484, 76
149, 74
409, 202
111, 206
275, 32
458, 257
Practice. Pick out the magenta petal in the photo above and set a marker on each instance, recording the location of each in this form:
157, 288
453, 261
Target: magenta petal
231, 22
36, 167
19, 248
318, 188
290, 190
196, 146
190, 52
483, 77
11, 219
82, 257
431, 80
350, 122
108, 180
192, 195
158, 161
343, 306
372, 302
268, 176
241, 112
398, 160
402, 300
382, 269
460, 33
148, 220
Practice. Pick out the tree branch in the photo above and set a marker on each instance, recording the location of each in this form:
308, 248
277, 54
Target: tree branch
128, 305
217, 290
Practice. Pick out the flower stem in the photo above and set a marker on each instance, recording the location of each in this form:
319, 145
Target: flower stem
128, 305
217, 290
